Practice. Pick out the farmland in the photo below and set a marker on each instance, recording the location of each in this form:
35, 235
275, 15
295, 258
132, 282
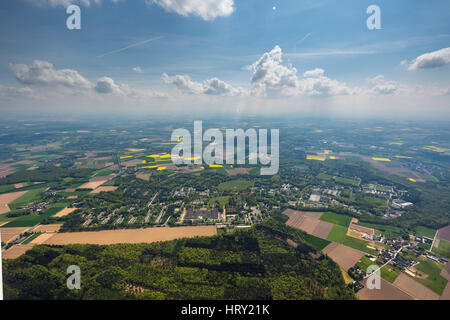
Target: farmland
105, 187
235, 185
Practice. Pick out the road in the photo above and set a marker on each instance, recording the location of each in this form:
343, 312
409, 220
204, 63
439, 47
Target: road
395, 256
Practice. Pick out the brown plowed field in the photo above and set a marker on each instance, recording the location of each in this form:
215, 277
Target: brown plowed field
344, 256
7, 198
9, 234
323, 229
414, 288
64, 212
446, 271
444, 233
387, 292
16, 251
104, 189
308, 222
146, 235
47, 228
446, 294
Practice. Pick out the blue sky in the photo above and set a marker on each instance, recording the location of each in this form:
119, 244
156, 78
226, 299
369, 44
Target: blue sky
225, 41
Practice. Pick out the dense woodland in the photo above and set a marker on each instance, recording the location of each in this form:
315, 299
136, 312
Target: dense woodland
259, 263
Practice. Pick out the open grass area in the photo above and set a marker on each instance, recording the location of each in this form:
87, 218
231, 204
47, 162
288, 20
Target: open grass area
352, 182
434, 281
390, 273
103, 172
341, 180
222, 170
223, 201
443, 248
337, 234
30, 196
358, 245
324, 176
7, 188
365, 262
383, 228
33, 219
424, 232
315, 242
235, 185
335, 218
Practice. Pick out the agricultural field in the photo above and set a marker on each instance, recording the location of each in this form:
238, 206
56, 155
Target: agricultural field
443, 248
337, 234
147, 235
422, 231
33, 219
339, 219
235, 185
433, 279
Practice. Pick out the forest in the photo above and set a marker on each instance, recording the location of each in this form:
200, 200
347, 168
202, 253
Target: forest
258, 263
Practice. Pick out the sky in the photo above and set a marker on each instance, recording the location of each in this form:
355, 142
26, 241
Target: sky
299, 57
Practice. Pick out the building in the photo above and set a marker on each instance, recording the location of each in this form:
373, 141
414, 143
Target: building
202, 214
400, 204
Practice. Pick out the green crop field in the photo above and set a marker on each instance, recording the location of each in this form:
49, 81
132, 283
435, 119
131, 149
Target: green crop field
223, 201
337, 234
7, 188
30, 196
221, 170
352, 182
365, 262
390, 273
324, 176
103, 172
424, 232
235, 185
315, 242
443, 248
33, 219
434, 281
335, 218
358, 245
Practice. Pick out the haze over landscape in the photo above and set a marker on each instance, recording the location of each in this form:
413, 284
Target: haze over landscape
307, 58
224, 150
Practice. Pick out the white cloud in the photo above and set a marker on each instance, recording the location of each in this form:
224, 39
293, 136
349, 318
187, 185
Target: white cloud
207, 9
271, 77
314, 73
15, 91
106, 85
269, 74
382, 86
43, 73
137, 69
430, 60
212, 86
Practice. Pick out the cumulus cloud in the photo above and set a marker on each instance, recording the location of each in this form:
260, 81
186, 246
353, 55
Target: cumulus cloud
137, 69
106, 85
207, 9
272, 77
382, 86
430, 60
212, 86
44, 74
314, 73
15, 91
